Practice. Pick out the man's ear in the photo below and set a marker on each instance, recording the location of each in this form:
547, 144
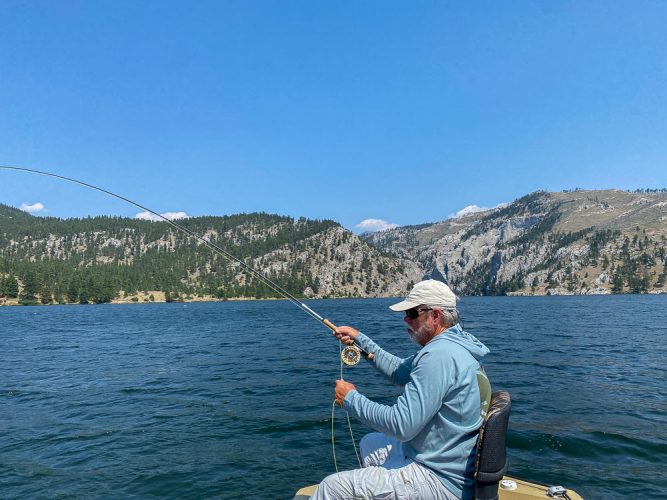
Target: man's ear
437, 314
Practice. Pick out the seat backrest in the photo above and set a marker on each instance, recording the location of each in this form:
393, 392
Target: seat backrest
491, 463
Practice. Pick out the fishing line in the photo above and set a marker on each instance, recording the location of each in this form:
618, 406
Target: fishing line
349, 423
274, 286
350, 355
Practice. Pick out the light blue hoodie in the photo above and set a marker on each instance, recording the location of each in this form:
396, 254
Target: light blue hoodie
438, 415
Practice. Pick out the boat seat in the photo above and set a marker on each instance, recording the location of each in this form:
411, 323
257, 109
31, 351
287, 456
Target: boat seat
491, 462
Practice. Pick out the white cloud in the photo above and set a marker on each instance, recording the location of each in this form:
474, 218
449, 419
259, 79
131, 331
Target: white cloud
35, 207
166, 215
473, 209
470, 209
175, 215
375, 225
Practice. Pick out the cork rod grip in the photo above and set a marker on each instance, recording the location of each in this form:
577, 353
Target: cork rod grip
329, 324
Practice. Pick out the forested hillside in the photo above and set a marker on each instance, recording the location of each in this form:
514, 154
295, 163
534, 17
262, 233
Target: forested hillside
573, 242
104, 258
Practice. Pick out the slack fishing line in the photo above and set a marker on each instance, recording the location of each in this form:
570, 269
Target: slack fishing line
350, 355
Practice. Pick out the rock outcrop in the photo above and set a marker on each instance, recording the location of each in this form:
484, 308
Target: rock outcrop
578, 242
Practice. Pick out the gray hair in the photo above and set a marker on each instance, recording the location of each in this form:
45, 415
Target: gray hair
450, 317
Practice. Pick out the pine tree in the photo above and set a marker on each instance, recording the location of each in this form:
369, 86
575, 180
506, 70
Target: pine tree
11, 287
45, 294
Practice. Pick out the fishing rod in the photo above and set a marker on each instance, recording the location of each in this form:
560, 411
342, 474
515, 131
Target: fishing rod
350, 355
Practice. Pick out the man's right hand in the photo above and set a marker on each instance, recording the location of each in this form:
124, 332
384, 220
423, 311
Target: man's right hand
346, 334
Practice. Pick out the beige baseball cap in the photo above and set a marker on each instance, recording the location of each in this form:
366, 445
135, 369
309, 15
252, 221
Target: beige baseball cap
431, 293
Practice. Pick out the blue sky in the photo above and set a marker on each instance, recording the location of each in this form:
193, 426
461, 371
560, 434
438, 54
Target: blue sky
404, 112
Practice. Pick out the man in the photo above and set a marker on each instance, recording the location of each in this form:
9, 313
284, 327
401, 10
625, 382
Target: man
425, 448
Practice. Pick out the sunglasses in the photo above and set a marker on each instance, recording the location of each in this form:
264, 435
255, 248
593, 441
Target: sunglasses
414, 313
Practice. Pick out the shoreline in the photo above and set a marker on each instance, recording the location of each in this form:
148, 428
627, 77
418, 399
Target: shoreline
159, 298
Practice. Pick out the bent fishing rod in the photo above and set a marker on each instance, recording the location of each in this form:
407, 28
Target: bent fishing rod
350, 355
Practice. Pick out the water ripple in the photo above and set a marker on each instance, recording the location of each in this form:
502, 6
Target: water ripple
215, 401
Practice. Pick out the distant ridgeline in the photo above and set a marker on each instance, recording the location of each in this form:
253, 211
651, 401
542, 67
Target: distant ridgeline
105, 258
574, 242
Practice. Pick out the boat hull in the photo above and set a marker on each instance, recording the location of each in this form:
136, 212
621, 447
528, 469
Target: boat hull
524, 491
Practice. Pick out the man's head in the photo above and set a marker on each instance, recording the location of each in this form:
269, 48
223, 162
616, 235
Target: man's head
430, 308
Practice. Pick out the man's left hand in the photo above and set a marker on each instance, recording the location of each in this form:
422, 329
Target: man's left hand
341, 390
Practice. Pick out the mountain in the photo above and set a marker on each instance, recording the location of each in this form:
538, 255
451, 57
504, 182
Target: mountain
573, 242
105, 258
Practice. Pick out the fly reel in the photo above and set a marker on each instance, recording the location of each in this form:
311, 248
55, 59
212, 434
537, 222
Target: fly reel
351, 355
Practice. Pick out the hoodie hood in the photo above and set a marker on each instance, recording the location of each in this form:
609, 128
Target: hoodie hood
458, 335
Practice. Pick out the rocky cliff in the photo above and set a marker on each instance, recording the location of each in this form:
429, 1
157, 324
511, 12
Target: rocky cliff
576, 242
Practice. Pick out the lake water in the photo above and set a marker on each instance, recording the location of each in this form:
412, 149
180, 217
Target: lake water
233, 399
